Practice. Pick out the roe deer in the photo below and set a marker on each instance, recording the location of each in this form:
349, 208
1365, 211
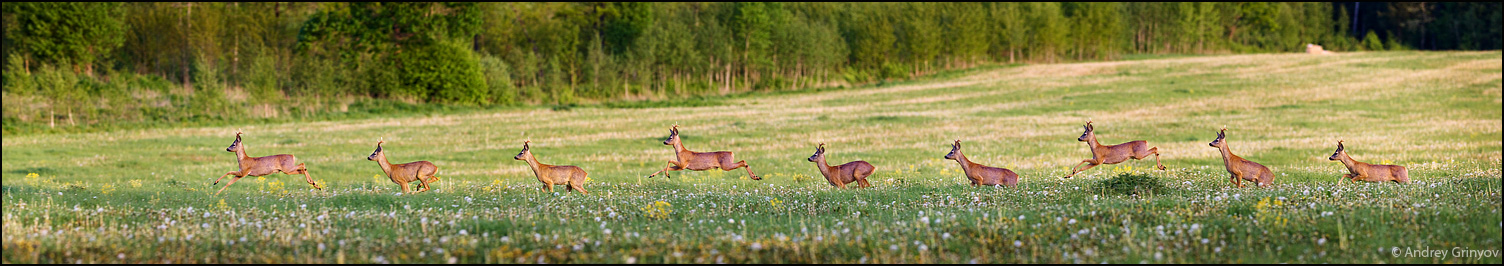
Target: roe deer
699, 161
841, 175
551, 175
1102, 154
981, 174
1369, 172
1241, 169
422, 171
260, 166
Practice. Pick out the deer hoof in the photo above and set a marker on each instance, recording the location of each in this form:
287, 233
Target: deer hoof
1161, 167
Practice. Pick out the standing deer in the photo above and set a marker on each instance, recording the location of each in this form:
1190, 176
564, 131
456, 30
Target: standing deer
552, 175
1241, 169
260, 166
981, 174
699, 161
841, 175
422, 171
1101, 154
1369, 172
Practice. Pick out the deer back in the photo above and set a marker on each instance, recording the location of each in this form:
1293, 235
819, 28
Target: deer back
850, 172
258, 166
409, 172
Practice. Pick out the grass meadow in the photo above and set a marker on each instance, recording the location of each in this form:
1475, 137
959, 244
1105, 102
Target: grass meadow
145, 196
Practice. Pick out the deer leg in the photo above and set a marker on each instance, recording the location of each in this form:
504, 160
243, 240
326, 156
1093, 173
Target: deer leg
1083, 169
672, 166
1155, 151
741, 164
232, 182
423, 182
304, 170
216, 180
578, 187
405, 189
1073, 168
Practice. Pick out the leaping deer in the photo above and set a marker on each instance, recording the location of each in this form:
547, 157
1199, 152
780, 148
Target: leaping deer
1369, 172
841, 175
422, 171
699, 161
260, 166
981, 174
1102, 154
1241, 169
551, 175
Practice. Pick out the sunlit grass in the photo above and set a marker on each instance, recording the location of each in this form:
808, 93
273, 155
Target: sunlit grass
144, 196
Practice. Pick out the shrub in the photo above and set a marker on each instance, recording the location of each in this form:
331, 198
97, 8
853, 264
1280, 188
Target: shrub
446, 72
1131, 183
1372, 43
895, 71
498, 80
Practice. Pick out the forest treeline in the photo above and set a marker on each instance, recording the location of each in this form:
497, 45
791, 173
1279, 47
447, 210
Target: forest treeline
81, 64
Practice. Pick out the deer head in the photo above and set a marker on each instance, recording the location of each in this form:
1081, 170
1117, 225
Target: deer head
673, 136
525, 153
236, 145
955, 150
1088, 132
377, 154
819, 153
1337, 155
1220, 135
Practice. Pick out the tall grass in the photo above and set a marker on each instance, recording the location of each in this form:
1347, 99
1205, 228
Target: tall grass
144, 196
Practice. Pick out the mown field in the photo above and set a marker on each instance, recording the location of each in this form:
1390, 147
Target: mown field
145, 196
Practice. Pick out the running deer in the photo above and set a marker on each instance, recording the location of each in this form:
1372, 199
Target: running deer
699, 161
552, 175
1369, 172
260, 166
1241, 169
841, 175
422, 171
1102, 154
981, 174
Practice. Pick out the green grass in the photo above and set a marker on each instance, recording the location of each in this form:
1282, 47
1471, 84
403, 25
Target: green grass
144, 195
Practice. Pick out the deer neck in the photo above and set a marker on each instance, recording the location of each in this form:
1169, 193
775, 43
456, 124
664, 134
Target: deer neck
680, 151
824, 167
385, 166
1227, 156
966, 164
532, 162
241, 157
1352, 165
1092, 142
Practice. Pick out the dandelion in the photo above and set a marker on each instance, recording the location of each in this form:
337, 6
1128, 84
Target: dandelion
658, 210
1017, 243
135, 183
